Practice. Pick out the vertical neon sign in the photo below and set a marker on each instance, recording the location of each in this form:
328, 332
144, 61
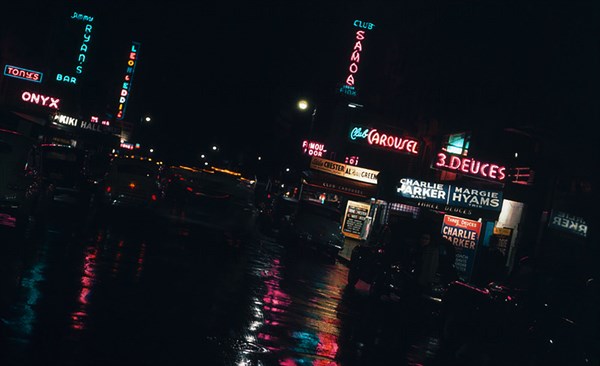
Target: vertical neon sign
81, 57
128, 79
349, 84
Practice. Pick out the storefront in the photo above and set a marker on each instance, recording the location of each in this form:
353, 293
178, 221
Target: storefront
350, 189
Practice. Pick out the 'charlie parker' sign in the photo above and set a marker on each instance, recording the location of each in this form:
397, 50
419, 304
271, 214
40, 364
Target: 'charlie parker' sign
451, 199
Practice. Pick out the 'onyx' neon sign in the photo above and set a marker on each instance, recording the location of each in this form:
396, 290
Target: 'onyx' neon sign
385, 140
40, 99
128, 79
464, 165
348, 87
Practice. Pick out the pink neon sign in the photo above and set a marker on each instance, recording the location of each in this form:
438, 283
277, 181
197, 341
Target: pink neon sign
40, 99
355, 57
313, 148
464, 165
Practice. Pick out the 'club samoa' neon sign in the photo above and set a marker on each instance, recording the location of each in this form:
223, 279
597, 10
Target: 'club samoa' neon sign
348, 87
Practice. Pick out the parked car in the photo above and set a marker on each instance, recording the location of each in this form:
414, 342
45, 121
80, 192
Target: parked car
272, 216
391, 262
23, 192
535, 317
131, 183
66, 168
316, 226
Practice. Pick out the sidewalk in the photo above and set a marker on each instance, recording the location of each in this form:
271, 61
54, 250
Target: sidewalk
346, 252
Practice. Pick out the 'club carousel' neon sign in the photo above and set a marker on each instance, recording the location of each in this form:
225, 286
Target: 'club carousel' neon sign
385, 140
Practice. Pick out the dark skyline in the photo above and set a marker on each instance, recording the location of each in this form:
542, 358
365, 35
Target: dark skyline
229, 72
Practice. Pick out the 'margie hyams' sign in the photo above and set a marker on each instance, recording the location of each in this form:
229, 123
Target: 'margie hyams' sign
445, 197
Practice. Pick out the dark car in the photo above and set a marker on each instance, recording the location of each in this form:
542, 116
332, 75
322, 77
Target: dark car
534, 317
23, 192
392, 263
131, 183
316, 226
66, 168
213, 198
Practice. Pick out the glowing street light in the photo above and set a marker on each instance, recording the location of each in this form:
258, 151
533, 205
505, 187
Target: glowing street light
304, 105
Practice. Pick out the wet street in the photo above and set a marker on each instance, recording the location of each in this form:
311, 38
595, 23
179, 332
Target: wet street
144, 290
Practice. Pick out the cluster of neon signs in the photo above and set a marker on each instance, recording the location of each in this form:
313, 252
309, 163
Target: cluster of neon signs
349, 85
465, 165
83, 49
313, 148
128, 79
21, 73
388, 141
40, 99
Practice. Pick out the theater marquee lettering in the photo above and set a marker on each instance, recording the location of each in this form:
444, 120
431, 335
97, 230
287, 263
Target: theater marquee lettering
344, 170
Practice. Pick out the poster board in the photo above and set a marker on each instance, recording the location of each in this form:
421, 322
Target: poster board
464, 235
354, 219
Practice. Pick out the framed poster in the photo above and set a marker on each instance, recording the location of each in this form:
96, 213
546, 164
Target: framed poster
354, 219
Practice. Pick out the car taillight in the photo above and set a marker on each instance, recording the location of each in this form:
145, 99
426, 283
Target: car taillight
153, 197
108, 189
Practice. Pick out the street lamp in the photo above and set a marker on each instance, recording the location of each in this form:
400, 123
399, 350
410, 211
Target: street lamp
304, 105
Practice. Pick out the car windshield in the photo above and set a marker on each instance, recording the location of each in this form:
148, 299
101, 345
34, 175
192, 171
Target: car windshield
65, 161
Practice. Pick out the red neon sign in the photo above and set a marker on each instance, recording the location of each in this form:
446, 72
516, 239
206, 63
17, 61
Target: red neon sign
464, 165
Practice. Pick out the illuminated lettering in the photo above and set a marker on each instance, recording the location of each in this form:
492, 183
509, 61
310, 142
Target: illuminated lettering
20, 73
470, 166
40, 99
355, 57
128, 79
374, 137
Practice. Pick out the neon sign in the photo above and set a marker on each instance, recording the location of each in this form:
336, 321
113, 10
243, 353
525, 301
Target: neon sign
313, 148
349, 87
40, 99
352, 160
87, 36
21, 73
128, 79
388, 141
463, 165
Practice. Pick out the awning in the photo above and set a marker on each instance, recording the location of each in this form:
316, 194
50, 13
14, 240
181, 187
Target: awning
30, 118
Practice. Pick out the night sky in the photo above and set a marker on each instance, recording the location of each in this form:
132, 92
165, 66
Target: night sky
230, 72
